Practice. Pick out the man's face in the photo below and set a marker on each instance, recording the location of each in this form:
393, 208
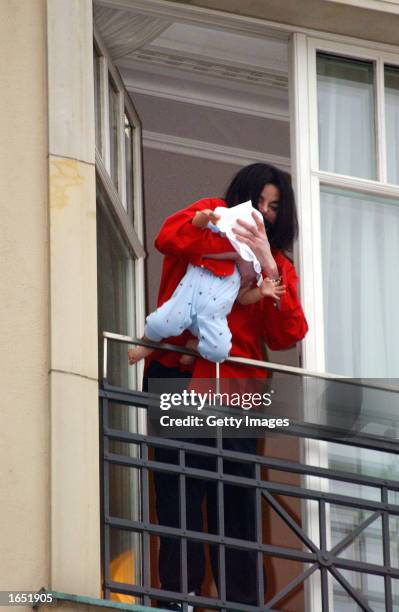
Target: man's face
269, 201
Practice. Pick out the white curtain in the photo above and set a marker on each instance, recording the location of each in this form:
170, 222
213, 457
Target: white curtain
360, 238
360, 266
360, 251
360, 234
346, 116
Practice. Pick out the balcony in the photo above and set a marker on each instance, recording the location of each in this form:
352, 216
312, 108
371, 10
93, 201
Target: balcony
338, 515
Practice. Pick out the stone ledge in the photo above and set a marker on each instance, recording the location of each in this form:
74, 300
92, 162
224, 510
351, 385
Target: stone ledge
80, 603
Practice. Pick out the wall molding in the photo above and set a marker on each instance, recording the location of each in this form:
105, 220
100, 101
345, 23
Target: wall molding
167, 86
210, 150
254, 111
219, 68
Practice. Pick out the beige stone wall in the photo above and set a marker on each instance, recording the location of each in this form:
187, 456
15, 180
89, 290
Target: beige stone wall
24, 303
49, 440
75, 494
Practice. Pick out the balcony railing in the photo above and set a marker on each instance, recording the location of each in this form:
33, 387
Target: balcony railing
361, 414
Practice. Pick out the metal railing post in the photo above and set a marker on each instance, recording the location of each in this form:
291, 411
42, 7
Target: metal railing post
105, 357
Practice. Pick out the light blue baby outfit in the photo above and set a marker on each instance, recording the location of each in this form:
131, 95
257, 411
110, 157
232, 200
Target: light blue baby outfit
200, 303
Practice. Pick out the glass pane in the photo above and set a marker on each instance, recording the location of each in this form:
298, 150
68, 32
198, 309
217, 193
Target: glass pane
126, 419
360, 259
394, 540
343, 458
113, 131
345, 96
367, 546
125, 562
369, 588
97, 98
363, 461
129, 167
392, 122
115, 286
124, 485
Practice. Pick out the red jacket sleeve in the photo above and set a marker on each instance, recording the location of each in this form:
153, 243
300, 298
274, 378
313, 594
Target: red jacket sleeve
179, 237
284, 325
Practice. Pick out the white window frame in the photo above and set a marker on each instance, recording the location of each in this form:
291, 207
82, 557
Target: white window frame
308, 180
129, 222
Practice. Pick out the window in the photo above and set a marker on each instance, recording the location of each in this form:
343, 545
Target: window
118, 145
128, 132
360, 252
98, 107
114, 132
348, 178
116, 307
359, 230
120, 257
346, 109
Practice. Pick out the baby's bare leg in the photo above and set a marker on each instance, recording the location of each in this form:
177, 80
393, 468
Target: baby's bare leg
191, 343
139, 352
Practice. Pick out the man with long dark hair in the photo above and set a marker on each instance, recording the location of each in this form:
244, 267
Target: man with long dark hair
280, 327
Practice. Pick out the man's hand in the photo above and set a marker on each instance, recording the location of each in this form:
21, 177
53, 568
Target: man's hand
255, 237
203, 217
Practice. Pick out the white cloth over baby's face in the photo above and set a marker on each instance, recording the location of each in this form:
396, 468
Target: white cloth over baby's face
228, 220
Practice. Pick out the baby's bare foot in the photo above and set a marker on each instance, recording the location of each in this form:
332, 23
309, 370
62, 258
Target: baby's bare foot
137, 353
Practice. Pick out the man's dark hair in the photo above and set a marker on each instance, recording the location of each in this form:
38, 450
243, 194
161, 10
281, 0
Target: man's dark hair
248, 184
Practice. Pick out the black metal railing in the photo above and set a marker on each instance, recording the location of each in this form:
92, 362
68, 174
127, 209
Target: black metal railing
366, 430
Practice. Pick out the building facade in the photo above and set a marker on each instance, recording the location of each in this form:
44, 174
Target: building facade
115, 114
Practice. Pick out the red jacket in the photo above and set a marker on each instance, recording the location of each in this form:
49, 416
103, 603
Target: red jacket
182, 243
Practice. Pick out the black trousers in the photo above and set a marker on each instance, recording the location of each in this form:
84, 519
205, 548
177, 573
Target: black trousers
239, 515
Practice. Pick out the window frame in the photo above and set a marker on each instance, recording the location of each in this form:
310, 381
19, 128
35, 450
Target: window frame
129, 220
103, 156
310, 179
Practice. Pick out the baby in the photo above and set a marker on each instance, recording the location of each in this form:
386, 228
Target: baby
202, 301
